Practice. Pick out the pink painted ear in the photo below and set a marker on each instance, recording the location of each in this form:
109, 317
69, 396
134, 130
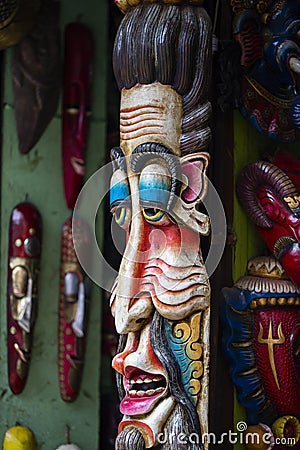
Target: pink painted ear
194, 168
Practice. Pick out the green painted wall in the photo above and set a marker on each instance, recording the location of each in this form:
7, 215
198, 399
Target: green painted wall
39, 174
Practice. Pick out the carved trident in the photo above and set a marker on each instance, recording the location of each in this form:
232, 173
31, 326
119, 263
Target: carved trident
271, 341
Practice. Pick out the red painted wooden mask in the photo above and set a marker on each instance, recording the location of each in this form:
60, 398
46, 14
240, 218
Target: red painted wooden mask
23, 268
76, 106
272, 201
73, 309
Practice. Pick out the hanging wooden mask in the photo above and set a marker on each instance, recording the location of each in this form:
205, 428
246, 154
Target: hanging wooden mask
272, 201
161, 298
23, 268
36, 77
76, 107
73, 310
17, 18
269, 38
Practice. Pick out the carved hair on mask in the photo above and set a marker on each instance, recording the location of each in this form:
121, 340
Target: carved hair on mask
160, 300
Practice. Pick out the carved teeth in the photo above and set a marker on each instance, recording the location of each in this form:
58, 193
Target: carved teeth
146, 380
150, 392
133, 392
159, 390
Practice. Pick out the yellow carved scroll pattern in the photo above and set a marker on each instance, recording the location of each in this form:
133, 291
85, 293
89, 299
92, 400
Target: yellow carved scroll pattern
189, 333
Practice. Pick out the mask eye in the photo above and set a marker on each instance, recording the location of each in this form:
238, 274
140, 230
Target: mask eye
156, 216
153, 214
122, 216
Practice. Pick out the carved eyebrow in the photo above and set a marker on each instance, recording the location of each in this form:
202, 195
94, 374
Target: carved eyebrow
118, 159
148, 151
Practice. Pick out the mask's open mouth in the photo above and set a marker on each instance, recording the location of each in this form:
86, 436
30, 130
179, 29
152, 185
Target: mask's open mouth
146, 385
143, 390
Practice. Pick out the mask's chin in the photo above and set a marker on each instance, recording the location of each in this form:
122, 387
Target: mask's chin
151, 424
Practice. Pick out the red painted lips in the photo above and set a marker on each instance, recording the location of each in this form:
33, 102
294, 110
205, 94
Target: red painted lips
142, 391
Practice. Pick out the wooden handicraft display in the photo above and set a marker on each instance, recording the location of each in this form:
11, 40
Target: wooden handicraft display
261, 313
78, 59
161, 298
73, 312
25, 235
269, 38
36, 72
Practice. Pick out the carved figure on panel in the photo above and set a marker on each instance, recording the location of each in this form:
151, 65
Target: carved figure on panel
160, 300
25, 235
261, 318
73, 311
269, 37
77, 87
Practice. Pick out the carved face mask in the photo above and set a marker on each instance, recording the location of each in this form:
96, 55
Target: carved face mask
76, 106
268, 33
162, 279
271, 200
22, 281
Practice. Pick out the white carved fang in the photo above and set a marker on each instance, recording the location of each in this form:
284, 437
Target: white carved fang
140, 393
139, 381
294, 64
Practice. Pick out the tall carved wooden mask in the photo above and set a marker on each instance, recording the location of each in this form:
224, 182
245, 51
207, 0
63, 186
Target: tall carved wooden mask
160, 301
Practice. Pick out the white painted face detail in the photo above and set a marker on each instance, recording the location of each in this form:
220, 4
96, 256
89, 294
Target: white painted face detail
150, 113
